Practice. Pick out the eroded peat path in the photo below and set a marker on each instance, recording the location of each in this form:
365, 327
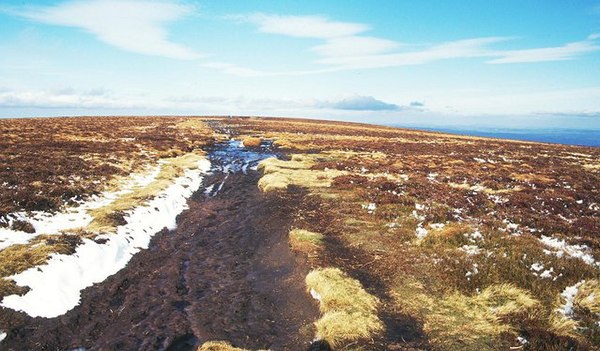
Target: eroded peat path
225, 273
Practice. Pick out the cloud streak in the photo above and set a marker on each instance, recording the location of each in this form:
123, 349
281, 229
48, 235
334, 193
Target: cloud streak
130, 25
345, 47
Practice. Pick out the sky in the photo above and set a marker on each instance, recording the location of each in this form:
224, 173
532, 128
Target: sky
480, 63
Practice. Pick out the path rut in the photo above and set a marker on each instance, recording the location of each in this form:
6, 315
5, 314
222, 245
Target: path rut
225, 273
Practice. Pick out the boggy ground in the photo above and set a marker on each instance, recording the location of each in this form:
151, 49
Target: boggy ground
226, 273
444, 242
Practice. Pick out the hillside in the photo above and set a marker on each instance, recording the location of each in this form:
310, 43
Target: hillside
179, 233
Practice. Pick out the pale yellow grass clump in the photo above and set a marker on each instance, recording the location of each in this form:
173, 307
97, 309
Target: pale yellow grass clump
460, 322
588, 296
278, 175
468, 323
587, 300
349, 313
104, 217
218, 346
560, 325
304, 240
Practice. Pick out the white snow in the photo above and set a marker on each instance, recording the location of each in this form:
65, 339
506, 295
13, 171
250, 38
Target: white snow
470, 250
561, 248
55, 286
421, 232
437, 225
569, 295
537, 267
522, 340
2, 335
475, 236
547, 273
472, 272
432, 176
315, 295
73, 217
511, 228
370, 207
208, 189
9, 237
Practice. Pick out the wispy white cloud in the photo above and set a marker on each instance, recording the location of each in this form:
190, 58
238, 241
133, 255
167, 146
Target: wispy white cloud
132, 25
354, 46
319, 27
568, 51
345, 47
468, 48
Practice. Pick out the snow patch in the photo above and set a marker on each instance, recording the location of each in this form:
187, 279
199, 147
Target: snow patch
370, 207
432, 177
470, 250
569, 295
472, 272
421, 232
73, 217
55, 286
315, 295
537, 267
561, 248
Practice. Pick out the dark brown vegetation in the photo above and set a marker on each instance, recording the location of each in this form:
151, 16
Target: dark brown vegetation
443, 234
482, 204
47, 162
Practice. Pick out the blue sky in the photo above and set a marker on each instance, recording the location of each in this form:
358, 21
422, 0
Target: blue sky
512, 64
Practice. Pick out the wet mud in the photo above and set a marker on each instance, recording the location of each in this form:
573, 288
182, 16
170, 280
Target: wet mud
225, 273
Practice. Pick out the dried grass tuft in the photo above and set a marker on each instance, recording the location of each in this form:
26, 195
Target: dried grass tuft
349, 313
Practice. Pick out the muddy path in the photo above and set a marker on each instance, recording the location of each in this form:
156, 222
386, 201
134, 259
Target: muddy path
225, 273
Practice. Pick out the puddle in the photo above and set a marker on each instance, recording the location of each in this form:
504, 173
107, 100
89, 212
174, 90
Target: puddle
232, 157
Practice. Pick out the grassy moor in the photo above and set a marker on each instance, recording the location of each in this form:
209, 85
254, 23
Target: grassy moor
299, 235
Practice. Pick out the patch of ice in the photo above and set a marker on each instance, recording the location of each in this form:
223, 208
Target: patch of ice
569, 295
561, 248
55, 286
208, 189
